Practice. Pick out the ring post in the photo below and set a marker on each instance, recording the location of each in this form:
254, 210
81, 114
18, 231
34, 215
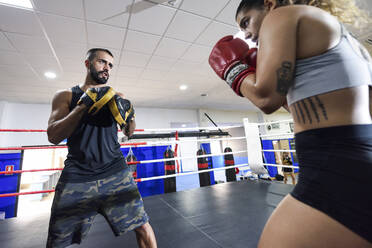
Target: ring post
254, 148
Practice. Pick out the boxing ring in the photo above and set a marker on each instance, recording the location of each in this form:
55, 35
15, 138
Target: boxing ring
229, 214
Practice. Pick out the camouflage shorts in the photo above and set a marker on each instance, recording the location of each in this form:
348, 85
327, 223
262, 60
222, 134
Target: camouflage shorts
76, 204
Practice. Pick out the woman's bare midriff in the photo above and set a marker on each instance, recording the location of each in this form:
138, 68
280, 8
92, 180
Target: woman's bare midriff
349, 106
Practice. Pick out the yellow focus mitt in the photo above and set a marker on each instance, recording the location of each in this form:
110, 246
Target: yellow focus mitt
122, 110
96, 98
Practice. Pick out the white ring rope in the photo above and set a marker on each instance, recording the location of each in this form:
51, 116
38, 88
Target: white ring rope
276, 134
282, 165
188, 129
278, 150
193, 172
208, 170
151, 143
181, 158
275, 122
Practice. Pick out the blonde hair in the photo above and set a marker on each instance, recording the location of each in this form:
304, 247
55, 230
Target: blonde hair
345, 10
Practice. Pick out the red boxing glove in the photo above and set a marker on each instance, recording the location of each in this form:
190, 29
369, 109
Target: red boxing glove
232, 60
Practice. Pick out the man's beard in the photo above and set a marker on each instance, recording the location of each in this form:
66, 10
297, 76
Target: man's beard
95, 75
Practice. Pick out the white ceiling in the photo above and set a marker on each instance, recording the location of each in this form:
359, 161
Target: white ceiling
158, 45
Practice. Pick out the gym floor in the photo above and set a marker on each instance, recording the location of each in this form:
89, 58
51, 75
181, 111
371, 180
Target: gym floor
228, 215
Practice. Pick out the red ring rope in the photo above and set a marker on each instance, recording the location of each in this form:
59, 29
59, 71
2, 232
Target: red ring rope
42, 130
21, 171
26, 193
56, 147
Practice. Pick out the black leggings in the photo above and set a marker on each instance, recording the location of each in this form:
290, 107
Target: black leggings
335, 174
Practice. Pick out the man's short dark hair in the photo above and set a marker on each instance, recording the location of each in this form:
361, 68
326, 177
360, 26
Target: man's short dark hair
92, 53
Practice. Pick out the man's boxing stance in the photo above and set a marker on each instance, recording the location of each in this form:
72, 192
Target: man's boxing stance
96, 178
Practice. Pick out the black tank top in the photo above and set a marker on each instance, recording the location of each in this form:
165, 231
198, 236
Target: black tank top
93, 148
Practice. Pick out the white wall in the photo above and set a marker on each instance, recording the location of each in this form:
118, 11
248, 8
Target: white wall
221, 117
35, 116
162, 118
2, 107
24, 116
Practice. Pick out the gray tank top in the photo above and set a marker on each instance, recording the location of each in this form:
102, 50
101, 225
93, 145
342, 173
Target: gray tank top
338, 68
93, 148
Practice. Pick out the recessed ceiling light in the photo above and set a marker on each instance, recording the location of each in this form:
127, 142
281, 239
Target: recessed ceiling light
183, 87
18, 3
183, 125
50, 75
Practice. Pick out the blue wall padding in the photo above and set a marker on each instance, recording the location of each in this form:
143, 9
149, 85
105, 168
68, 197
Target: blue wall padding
241, 160
269, 157
187, 182
152, 187
9, 183
207, 148
218, 161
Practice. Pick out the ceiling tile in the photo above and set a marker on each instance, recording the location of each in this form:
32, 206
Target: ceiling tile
208, 8
148, 69
197, 53
70, 50
160, 63
71, 8
152, 74
129, 72
37, 60
64, 28
124, 82
129, 58
186, 26
22, 72
105, 36
184, 66
111, 12
11, 58
30, 44
141, 42
205, 69
227, 15
4, 43
73, 77
160, 14
172, 48
17, 20
214, 32
156, 87
73, 65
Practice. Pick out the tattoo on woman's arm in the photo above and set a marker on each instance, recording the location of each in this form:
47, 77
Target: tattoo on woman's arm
285, 78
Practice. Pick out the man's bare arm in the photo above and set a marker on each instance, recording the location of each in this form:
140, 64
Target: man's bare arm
370, 100
130, 128
62, 122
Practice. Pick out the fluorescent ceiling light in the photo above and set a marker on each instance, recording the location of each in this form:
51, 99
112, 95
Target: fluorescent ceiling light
183, 87
50, 75
18, 3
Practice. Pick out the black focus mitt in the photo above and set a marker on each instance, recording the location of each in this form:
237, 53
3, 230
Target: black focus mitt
122, 110
96, 98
